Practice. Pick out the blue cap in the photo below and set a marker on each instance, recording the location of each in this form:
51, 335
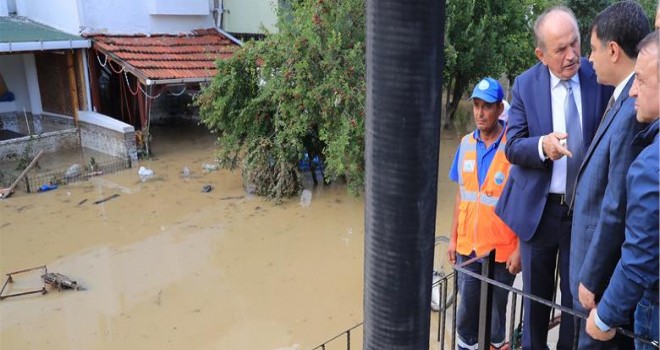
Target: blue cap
488, 90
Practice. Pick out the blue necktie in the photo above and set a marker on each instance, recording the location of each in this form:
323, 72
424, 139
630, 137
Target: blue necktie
574, 141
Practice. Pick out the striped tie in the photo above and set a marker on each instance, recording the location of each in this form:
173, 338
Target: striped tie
574, 141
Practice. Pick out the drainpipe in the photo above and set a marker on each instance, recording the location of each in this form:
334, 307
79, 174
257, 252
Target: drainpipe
404, 88
218, 13
87, 82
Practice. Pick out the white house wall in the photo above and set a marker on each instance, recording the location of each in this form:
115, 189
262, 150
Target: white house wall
247, 16
59, 14
4, 9
13, 72
132, 17
116, 16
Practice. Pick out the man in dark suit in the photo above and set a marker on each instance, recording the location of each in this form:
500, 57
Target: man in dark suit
556, 108
634, 284
600, 198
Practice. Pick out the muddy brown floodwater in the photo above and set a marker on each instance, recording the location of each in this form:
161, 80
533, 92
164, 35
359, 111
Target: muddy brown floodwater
167, 266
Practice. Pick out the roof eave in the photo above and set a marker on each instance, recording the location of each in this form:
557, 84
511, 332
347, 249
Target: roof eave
44, 45
177, 81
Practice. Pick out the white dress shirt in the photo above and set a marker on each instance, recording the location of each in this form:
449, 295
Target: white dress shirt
558, 96
619, 88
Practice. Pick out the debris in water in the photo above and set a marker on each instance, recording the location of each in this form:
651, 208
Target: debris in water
185, 171
210, 167
82, 201
306, 198
46, 187
145, 174
60, 281
231, 197
73, 171
106, 199
207, 188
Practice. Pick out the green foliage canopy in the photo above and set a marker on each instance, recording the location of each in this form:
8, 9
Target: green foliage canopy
272, 93
487, 38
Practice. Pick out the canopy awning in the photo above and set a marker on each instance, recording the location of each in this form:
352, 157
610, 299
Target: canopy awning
20, 34
165, 59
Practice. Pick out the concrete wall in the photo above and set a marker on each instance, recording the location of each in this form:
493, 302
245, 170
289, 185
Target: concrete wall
55, 141
120, 16
13, 72
4, 8
147, 16
247, 16
61, 14
131, 17
57, 133
107, 135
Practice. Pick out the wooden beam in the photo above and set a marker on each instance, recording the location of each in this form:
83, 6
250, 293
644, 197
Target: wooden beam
72, 85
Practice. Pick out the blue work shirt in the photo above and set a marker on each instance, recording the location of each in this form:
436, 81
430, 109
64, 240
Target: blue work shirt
484, 156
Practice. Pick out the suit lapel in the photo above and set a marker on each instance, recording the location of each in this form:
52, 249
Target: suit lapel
589, 91
606, 122
544, 107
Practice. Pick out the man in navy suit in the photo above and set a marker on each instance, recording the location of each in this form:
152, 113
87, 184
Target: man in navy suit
634, 284
600, 198
556, 108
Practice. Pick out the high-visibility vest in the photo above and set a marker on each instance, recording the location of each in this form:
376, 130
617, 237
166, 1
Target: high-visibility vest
479, 229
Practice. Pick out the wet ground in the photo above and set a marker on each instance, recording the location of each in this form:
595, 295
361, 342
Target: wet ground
168, 266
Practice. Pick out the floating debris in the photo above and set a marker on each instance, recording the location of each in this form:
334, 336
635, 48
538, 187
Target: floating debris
106, 198
60, 281
145, 174
306, 198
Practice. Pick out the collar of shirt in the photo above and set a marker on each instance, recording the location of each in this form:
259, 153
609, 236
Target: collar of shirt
619, 88
477, 135
555, 81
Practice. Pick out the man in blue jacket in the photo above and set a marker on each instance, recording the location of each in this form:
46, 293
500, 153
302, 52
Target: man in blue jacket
599, 205
556, 107
634, 284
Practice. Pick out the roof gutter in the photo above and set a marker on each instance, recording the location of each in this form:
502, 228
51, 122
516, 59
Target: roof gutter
149, 82
44, 45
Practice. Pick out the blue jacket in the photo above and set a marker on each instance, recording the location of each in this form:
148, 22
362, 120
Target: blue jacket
636, 274
530, 117
600, 199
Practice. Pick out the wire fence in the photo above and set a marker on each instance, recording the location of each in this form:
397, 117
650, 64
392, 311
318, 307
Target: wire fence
36, 180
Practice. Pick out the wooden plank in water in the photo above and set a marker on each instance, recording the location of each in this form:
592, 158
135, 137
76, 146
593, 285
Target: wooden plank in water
6, 192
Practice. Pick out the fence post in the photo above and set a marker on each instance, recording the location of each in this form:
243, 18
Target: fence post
486, 302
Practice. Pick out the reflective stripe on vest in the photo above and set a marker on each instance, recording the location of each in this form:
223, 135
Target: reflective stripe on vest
479, 229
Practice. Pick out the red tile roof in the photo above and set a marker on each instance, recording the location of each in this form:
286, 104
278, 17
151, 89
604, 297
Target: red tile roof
159, 57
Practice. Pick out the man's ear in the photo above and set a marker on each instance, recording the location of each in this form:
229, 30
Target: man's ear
540, 55
614, 51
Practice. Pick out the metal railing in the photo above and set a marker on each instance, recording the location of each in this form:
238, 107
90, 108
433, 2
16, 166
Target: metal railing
343, 335
448, 306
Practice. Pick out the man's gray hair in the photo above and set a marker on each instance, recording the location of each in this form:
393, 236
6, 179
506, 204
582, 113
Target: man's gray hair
541, 19
651, 42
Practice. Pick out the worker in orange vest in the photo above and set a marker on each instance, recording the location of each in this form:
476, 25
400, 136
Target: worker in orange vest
481, 169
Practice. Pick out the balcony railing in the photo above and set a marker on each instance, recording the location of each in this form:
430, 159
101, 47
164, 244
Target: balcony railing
446, 286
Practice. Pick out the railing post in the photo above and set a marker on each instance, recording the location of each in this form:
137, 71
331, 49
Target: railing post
348, 340
442, 308
486, 302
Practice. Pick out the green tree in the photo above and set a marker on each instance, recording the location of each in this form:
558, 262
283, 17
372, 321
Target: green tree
487, 38
586, 10
310, 75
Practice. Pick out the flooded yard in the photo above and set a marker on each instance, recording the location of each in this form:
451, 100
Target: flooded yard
168, 266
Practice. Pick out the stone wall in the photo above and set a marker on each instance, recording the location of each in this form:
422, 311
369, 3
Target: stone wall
107, 135
50, 142
54, 133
